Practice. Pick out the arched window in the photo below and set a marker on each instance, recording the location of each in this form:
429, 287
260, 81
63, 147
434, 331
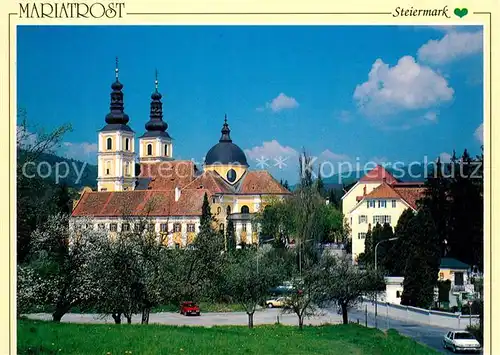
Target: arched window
166, 150
127, 168
108, 167
109, 144
150, 149
221, 227
219, 210
126, 144
245, 209
228, 210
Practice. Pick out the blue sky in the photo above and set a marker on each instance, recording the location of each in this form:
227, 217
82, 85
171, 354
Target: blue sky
345, 93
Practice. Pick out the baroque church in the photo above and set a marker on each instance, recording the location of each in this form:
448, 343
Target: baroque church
166, 191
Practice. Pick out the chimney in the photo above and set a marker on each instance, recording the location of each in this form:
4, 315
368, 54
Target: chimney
177, 194
364, 190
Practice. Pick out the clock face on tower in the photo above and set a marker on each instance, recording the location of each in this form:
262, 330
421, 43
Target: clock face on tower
231, 175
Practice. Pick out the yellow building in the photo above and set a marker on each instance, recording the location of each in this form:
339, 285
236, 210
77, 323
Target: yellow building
170, 192
377, 197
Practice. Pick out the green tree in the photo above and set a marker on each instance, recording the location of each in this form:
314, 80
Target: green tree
397, 251
367, 257
344, 284
466, 210
249, 275
436, 200
422, 262
230, 236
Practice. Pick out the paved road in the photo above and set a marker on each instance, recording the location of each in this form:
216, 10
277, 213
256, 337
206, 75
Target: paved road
431, 336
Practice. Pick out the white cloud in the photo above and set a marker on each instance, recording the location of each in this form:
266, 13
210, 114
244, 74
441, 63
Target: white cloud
279, 103
454, 45
479, 134
431, 116
329, 155
406, 86
271, 150
445, 157
80, 151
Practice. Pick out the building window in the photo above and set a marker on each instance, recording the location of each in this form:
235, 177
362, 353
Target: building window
361, 235
108, 167
228, 210
393, 203
219, 210
125, 227
151, 227
441, 275
382, 203
363, 219
166, 150
381, 219
245, 209
138, 227
177, 227
104, 189
370, 204
244, 227
109, 144
190, 228
150, 149
127, 168
221, 227
163, 227
459, 278
101, 226
398, 294
126, 144
113, 227
177, 246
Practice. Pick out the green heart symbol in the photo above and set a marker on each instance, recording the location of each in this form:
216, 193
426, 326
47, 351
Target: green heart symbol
461, 12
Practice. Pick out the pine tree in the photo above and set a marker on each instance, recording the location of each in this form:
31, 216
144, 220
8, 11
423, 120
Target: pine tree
368, 253
437, 202
398, 250
230, 237
286, 186
206, 215
466, 212
422, 263
320, 186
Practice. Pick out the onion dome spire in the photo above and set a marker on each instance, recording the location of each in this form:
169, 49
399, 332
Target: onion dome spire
117, 114
156, 123
225, 137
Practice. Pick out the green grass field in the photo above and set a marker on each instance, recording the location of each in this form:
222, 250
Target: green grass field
38, 337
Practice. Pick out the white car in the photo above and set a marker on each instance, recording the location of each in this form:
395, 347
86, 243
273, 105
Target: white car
460, 340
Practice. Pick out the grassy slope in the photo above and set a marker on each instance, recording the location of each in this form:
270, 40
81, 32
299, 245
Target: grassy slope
37, 337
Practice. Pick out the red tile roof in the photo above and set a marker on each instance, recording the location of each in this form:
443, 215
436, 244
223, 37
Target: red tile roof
378, 174
169, 174
260, 183
140, 203
409, 194
211, 181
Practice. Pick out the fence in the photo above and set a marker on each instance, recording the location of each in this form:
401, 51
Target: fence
418, 315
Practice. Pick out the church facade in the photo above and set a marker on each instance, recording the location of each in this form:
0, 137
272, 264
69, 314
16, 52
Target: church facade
166, 192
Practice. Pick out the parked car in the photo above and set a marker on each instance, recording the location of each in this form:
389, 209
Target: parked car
189, 308
461, 340
277, 302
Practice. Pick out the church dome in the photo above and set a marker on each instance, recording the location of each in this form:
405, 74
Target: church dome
226, 152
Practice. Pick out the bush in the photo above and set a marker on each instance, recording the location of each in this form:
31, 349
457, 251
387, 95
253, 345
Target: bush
476, 331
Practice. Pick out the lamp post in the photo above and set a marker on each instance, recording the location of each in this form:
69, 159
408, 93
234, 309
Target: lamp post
376, 293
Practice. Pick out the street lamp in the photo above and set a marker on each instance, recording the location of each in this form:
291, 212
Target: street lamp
376, 293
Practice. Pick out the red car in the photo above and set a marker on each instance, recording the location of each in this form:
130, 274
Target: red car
190, 308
